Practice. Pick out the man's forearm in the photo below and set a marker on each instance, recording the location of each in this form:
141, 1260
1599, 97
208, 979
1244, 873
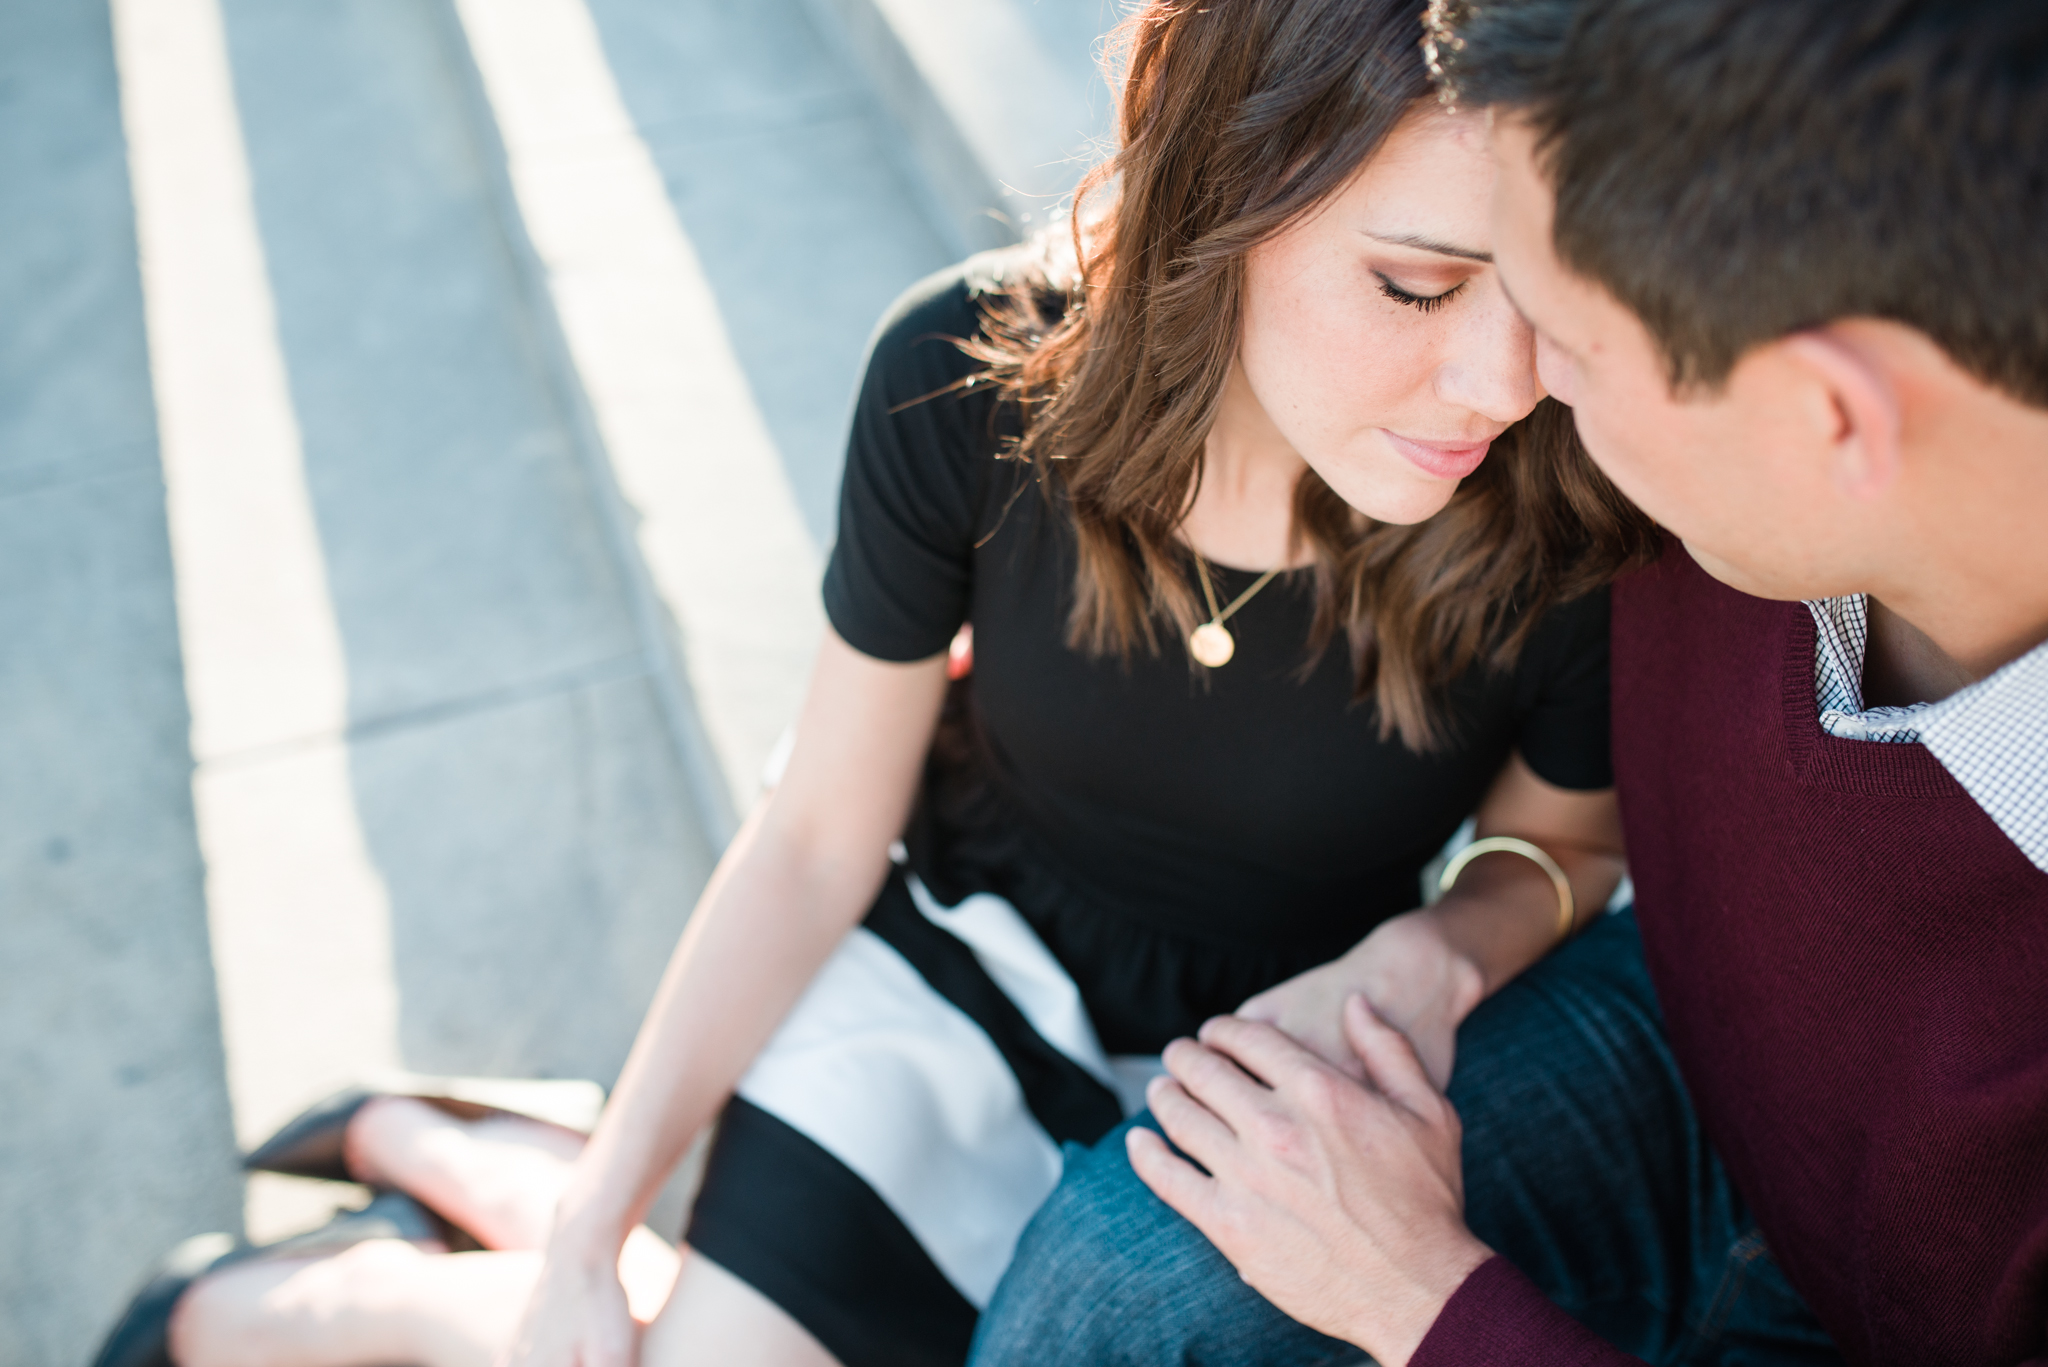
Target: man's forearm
1498, 1316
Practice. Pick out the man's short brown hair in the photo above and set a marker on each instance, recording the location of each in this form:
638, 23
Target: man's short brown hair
1737, 170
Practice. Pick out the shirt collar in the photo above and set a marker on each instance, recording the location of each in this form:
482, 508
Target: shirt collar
1992, 736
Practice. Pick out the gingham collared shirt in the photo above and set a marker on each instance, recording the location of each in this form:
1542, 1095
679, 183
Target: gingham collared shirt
1992, 736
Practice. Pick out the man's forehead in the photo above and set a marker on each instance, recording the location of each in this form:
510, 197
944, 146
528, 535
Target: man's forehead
1514, 144
1571, 310
1522, 204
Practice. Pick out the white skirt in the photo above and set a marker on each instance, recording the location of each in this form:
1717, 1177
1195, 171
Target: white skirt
886, 1150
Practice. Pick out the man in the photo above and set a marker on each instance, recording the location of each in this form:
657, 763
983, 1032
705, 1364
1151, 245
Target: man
1788, 260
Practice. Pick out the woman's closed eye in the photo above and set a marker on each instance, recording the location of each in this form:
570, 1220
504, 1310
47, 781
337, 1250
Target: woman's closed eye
1425, 302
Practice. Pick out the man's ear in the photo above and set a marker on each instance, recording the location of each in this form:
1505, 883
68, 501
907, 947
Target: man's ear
1856, 406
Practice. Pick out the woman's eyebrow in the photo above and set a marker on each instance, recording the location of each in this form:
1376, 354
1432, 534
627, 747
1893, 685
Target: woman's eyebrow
1430, 244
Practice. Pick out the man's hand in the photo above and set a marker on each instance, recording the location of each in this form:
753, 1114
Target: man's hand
1341, 1202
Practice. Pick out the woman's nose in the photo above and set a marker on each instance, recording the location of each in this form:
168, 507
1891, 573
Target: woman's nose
1491, 368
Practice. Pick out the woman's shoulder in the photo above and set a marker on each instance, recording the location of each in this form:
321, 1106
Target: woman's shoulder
1567, 641
921, 345
926, 436
921, 484
1577, 623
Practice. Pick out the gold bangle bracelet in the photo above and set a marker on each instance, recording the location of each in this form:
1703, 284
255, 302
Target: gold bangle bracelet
1567, 908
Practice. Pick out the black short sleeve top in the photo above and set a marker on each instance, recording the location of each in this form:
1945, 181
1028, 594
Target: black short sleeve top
1246, 805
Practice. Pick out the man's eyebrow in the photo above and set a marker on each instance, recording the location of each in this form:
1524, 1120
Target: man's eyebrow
1430, 244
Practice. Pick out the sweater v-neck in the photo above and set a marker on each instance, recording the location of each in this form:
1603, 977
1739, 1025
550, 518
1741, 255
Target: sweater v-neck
1831, 763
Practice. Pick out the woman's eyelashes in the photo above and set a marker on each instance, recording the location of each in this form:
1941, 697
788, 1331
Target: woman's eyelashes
1426, 302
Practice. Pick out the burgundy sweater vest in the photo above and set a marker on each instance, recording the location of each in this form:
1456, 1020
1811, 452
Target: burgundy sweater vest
1853, 965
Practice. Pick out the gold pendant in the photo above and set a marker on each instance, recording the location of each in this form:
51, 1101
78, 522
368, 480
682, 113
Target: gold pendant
1211, 645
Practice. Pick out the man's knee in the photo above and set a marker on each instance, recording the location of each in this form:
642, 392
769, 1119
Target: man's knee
1107, 1273
1074, 1264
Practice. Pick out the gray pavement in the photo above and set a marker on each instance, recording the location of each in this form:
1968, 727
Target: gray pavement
517, 786
779, 163
114, 1115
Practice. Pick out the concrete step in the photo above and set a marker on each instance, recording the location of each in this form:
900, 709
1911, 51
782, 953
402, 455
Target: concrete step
443, 823
1003, 103
408, 567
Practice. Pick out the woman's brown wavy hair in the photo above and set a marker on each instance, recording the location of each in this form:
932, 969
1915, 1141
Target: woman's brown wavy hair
1236, 118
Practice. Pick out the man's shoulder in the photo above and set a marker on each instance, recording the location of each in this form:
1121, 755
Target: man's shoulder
1672, 601
1697, 667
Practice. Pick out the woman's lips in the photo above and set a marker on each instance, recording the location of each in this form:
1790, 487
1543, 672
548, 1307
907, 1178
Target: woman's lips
1444, 459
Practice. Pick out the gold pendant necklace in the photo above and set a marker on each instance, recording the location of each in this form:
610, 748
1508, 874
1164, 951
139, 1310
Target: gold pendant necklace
1210, 644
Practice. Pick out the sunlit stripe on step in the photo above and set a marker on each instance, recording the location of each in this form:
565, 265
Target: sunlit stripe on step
718, 527
980, 82
299, 917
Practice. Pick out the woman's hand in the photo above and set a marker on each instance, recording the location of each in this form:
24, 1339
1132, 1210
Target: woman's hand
1409, 972
577, 1316
795, 880
1424, 971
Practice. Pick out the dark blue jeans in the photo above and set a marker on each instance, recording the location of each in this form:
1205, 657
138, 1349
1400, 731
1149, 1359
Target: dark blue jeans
1584, 1166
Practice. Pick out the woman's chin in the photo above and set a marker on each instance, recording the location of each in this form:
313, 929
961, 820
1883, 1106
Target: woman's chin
1401, 500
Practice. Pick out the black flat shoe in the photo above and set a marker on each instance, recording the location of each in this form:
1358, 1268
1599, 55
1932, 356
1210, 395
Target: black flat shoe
141, 1337
310, 1144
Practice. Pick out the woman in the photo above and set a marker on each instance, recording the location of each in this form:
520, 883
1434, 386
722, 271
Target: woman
1278, 567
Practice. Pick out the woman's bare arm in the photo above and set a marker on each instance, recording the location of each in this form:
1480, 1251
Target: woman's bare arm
1501, 916
799, 875
1425, 970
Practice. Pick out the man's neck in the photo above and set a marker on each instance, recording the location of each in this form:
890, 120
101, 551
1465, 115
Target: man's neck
1963, 588
1903, 665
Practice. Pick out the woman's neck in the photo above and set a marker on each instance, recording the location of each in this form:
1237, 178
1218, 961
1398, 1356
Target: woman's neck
1243, 512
